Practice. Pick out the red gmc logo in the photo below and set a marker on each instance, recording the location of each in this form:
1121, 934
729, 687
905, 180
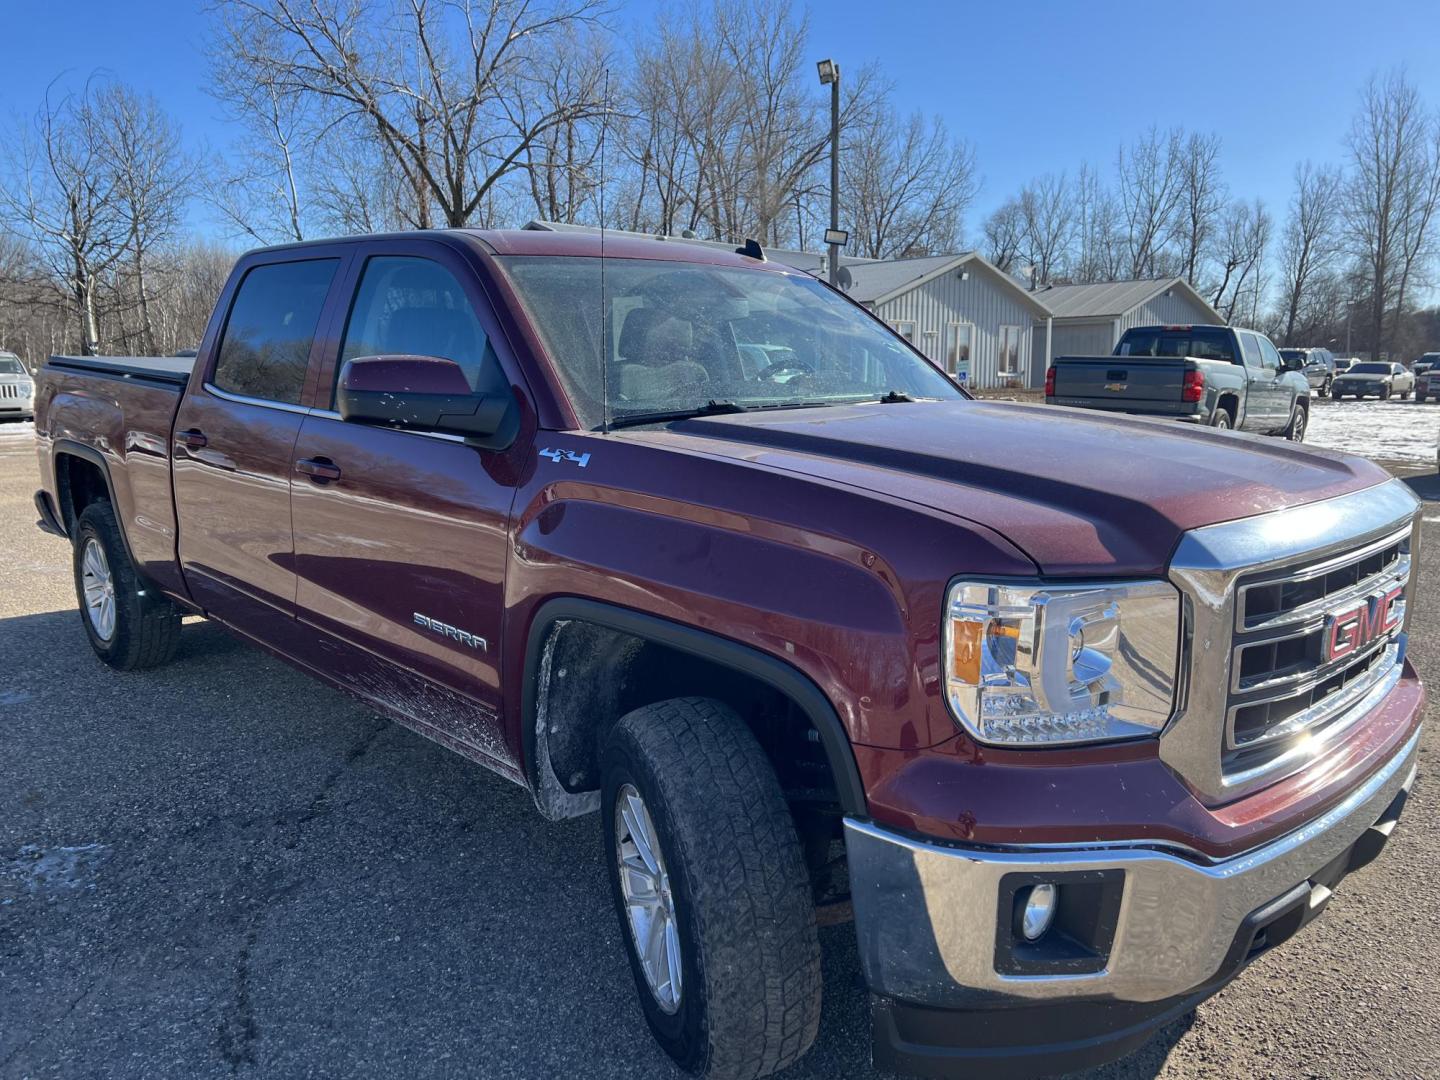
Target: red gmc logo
1373, 618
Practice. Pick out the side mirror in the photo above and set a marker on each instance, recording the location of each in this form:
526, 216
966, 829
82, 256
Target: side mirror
425, 393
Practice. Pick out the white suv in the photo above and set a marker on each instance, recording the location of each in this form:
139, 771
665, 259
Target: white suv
17, 389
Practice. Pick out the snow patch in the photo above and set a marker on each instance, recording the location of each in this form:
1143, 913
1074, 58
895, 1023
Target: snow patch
1397, 431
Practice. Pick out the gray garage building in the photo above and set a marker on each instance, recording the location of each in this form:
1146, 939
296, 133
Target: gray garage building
1089, 319
969, 317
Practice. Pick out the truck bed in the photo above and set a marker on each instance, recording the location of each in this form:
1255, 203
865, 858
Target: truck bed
168, 370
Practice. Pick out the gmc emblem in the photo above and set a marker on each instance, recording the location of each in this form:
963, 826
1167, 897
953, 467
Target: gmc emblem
1373, 618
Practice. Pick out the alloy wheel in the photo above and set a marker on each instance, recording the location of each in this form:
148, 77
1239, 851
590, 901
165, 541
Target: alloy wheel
99, 587
649, 902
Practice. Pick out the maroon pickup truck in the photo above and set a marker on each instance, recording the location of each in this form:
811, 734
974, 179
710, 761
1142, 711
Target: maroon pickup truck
1078, 713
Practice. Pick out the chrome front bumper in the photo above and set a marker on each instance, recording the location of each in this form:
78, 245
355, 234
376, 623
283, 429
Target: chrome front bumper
929, 920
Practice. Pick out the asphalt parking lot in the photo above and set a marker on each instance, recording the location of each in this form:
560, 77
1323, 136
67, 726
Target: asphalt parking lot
220, 868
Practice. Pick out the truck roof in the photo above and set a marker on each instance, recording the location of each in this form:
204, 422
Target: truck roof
592, 245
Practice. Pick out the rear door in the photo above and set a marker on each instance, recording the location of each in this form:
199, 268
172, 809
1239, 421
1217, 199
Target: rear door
401, 556
233, 440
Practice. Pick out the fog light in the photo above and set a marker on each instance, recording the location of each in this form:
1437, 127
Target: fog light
1039, 911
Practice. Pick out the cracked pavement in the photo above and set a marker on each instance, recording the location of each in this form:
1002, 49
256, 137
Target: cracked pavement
287, 886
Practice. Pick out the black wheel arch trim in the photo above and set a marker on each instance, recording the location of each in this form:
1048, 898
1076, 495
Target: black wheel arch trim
94, 457
783, 677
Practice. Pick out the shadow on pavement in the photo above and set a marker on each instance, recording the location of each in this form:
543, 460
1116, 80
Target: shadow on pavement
219, 867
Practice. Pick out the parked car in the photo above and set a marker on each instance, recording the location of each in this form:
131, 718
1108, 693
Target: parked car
1317, 365
1026, 689
1342, 363
1427, 377
17, 389
1382, 379
1216, 375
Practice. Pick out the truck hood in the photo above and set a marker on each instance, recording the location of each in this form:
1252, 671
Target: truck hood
1079, 492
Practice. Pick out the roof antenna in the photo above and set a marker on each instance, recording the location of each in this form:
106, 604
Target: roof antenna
605, 333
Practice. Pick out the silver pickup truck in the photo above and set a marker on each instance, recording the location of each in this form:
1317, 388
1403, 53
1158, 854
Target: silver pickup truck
1216, 375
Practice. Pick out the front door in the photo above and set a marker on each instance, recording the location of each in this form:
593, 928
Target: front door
401, 549
234, 437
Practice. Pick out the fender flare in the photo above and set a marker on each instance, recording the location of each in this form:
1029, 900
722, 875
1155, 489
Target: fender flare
72, 448
768, 669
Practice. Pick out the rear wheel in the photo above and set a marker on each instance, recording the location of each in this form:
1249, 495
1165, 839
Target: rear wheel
1221, 419
1298, 419
129, 625
710, 885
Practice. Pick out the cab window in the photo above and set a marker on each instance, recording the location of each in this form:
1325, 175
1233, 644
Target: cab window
413, 306
265, 349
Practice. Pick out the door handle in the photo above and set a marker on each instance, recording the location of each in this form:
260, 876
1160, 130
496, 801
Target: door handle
191, 439
321, 470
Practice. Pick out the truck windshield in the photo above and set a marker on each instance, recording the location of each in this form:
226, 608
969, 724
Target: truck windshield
10, 367
679, 337
1199, 342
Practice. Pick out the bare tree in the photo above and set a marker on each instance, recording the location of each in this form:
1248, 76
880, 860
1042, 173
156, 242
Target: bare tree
152, 182
1100, 254
64, 202
1311, 241
905, 185
1047, 208
1004, 232
1388, 144
1202, 201
1244, 237
454, 91
1151, 184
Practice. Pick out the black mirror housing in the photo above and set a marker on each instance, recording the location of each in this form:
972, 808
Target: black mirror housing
425, 393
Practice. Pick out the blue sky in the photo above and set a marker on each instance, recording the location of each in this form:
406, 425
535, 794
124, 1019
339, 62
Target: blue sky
1035, 87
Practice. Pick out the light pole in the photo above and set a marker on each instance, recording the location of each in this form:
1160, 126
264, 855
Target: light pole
834, 237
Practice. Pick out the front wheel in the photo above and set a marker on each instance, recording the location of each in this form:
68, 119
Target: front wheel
1336, 395
129, 626
710, 885
1420, 397
1385, 393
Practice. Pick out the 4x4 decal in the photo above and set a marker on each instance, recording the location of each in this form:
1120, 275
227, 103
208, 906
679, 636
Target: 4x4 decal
558, 456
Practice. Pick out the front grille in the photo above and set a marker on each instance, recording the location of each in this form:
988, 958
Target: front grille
1282, 687
13, 392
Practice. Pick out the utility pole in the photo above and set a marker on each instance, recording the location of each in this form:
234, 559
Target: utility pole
830, 75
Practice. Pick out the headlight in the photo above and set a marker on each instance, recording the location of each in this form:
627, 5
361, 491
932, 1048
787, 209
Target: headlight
1042, 664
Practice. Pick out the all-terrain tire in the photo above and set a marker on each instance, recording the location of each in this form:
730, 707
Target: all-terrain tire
146, 625
749, 1002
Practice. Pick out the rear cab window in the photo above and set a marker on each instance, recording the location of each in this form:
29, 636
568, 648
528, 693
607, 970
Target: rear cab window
1200, 342
265, 350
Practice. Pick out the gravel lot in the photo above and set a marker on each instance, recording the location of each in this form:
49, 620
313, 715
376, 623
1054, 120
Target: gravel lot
220, 868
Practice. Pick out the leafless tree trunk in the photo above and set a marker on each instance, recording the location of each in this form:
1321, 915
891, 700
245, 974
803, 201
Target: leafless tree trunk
1388, 147
152, 182
1310, 244
1047, 208
1202, 200
1151, 184
64, 201
1244, 236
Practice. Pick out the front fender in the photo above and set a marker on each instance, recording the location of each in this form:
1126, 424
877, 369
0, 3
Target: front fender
844, 586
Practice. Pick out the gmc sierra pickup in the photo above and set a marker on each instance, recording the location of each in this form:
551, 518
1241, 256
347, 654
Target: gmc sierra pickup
1215, 375
1074, 741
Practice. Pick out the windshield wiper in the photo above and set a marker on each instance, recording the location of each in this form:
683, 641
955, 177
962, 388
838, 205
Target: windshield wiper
710, 408
895, 397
